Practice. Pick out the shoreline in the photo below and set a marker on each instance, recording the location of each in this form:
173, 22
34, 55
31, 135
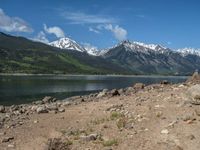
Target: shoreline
109, 75
114, 118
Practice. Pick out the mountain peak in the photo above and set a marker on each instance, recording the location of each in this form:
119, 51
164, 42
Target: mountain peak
67, 43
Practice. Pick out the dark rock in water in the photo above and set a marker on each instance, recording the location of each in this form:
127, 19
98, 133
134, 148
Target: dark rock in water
58, 144
114, 92
165, 82
139, 86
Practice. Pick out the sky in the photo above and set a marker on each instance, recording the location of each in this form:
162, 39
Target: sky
104, 23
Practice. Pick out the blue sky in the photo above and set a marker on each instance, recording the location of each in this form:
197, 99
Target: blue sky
103, 23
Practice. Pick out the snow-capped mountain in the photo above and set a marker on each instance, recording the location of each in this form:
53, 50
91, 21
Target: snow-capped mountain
138, 47
67, 43
91, 50
189, 51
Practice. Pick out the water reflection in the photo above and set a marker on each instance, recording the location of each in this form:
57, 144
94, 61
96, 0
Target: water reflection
22, 89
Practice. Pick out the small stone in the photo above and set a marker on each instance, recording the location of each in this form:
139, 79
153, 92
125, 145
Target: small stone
35, 121
164, 131
159, 114
61, 109
91, 137
11, 146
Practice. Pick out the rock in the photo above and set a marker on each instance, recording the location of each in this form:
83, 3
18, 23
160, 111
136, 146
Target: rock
164, 131
38, 102
194, 94
165, 82
159, 114
114, 92
35, 121
67, 103
52, 107
91, 137
195, 78
121, 91
7, 139
41, 109
103, 93
188, 117
11, 146
139, 86
191, 137
58, 144
2, 109
47, 99
61, 109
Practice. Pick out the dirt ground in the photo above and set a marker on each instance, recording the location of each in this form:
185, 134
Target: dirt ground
160, 118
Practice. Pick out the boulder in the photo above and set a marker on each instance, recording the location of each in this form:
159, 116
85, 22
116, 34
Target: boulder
194, 94
52, 107
2, 109
41, 109
103, 93
114, 92
61, 109
48, 99
139, 86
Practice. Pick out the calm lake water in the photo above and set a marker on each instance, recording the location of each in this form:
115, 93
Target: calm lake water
25, 89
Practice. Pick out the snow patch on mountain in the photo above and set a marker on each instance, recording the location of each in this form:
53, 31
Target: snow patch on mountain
67, 43
189, 51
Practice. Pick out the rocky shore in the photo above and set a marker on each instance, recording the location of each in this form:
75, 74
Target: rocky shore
158, 116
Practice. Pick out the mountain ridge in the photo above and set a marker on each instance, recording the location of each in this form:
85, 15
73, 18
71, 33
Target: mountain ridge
21, 55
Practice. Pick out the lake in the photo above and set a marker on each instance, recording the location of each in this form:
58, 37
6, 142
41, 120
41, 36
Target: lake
27, 88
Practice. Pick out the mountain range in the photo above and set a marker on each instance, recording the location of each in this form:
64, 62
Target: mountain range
66, 56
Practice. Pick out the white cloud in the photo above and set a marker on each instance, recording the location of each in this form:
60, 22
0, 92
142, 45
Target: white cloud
93, 30
41, 37
119, 32
13, 24
83, 18
58, 32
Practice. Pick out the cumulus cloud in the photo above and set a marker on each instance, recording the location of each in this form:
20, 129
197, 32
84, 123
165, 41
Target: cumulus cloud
119, 32
58, 32
41, 37
13, 24
83, 18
